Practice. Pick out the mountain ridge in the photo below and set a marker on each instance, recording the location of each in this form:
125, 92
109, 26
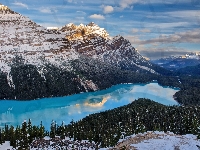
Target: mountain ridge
26, 45
178, 62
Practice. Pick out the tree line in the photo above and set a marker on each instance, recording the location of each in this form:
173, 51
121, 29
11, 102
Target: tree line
106, 128
29, 84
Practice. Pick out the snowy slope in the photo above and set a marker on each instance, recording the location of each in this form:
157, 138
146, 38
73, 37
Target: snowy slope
168, 142
19, 36
92, 41
5, 146
24, 42
155, 141
159, 140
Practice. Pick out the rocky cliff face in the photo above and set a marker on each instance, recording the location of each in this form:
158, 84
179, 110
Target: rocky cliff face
92, 41
25, 44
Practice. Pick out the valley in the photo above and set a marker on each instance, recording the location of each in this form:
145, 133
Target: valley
72, 50
78, 106
77, 86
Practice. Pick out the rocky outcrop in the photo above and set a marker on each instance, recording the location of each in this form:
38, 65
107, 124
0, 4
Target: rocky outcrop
27, 45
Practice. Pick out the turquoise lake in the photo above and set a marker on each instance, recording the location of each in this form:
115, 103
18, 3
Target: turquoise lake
78, 106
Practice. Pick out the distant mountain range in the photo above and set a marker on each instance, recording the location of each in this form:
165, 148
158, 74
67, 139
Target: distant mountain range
38, 62
177, 62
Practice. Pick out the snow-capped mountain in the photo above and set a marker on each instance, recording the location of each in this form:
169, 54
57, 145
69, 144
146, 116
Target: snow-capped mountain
177, 62
92, 41
23, 43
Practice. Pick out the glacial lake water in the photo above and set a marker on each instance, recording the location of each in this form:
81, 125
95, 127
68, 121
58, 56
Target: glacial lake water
78, 106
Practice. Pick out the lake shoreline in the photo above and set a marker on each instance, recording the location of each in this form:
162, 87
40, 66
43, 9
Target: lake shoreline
141, 84
81, 105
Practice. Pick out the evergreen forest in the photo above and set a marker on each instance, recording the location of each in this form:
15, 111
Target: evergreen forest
106, 128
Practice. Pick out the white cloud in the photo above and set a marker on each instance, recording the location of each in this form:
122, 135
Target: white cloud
127, 3
190, 15
190, 36
81, 12
20, 4
45, 10
97, 16
108, 9
183, 14
133, 39
134, 30
80, 18
145, 30
155, 52
121, 16
164, 25
165, 45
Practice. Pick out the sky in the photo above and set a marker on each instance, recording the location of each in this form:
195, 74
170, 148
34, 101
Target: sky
156, 28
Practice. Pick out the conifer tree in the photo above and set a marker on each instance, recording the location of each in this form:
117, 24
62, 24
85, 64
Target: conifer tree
7, 138
195, 125
41, 131
12, 137
52, 129
35, 132
18, 135
30, 131
62, 130
24, 140
3, 135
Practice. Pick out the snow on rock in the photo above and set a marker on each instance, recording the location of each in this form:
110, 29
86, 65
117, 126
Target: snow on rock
147, 141
88, 84
67, 143
20, 37
53, 144
36, 45
74, 32
5, 146
169, 142
159, 140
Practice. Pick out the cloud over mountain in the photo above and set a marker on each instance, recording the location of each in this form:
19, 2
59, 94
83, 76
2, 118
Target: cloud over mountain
97, 16
20, 4
190, 36
108, 9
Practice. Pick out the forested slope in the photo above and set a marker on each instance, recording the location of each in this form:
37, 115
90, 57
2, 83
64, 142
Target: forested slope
106, 128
